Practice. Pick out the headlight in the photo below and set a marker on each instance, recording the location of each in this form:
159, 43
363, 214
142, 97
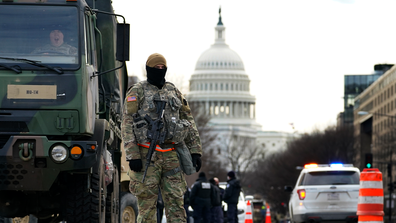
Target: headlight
59, 153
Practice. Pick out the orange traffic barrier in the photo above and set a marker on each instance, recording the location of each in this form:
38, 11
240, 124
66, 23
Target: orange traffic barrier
371, 197
268, 214
248, 211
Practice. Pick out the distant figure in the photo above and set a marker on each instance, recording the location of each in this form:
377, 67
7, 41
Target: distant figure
57, 45
186, 198
216, 211
231, 197
200, 198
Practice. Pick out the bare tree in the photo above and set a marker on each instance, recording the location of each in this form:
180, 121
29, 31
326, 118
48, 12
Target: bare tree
241, 152
211, 164
277, 170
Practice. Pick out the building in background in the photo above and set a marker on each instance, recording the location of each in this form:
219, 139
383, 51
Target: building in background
353, 86
375, 126
221, 88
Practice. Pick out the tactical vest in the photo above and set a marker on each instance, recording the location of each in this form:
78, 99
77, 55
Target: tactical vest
176, 129
204, 191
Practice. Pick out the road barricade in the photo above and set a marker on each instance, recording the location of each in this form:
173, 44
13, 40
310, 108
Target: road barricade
371, 197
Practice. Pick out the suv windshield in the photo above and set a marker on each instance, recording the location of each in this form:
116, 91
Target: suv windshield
46, 34
330, 178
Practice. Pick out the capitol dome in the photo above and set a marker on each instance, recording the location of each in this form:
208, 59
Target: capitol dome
219, 56
221, 87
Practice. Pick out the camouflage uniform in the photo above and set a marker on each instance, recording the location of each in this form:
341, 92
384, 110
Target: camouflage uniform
139, 101
65, 49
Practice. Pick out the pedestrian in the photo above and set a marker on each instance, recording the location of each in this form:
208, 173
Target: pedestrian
231, 197
178, 150
216, 211
201, 198
186, 198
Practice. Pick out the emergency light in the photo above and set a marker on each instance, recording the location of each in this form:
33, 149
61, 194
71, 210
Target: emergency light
311, 165
336, 165
333, 165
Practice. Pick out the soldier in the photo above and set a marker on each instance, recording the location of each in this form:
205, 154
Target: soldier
57, 45
181, 150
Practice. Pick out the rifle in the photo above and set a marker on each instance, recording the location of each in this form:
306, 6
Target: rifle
154, 133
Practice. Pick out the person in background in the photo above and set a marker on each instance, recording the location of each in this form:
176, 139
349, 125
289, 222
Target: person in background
216, 211
187, 203
201, 198
231, 197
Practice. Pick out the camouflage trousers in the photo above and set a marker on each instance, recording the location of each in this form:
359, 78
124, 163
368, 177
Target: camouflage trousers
172, 188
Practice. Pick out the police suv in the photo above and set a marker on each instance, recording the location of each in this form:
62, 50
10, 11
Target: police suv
325, 192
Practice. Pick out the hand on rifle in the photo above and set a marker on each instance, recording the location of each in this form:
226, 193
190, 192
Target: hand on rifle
136, 165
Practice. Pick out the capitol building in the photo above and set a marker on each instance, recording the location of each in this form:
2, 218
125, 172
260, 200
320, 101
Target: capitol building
221, 89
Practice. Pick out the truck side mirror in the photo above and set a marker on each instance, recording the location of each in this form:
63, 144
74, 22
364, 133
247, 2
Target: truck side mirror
122, 53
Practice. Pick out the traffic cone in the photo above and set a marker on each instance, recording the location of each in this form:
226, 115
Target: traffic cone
371, 197
248, 213
268, 215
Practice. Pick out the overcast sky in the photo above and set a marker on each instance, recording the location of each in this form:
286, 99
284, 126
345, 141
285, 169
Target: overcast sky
296, 52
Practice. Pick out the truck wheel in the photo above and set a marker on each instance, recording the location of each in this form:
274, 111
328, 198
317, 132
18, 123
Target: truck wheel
86, 196
113, 199
129, 208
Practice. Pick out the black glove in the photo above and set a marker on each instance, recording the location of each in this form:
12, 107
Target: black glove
136, 165
196, 159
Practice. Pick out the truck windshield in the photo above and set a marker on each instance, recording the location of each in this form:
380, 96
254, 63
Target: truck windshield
43, 33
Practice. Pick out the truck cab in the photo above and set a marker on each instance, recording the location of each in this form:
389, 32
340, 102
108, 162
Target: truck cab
62, 84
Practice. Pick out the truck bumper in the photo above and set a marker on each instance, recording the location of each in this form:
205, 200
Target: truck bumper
37, 171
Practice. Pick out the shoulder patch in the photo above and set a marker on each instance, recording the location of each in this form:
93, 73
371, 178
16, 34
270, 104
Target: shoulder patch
131, 104
131, 98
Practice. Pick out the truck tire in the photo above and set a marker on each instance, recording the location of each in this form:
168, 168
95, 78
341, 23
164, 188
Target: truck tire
113, 199
86, 196
129, 208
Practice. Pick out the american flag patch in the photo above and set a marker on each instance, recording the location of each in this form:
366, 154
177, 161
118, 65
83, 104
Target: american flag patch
131, 98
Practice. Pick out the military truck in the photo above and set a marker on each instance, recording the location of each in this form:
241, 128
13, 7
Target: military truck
63, 79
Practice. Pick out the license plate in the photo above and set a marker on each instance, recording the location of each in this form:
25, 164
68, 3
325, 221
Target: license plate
31, 91
333, 196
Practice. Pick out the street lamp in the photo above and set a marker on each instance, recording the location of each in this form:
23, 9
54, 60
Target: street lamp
389, 164
374, 113
363, 113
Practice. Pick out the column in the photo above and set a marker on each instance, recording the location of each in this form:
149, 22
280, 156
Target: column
231, 109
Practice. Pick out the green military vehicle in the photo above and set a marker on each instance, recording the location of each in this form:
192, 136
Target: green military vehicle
62, 84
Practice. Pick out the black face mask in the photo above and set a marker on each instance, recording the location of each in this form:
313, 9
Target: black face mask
156, 76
